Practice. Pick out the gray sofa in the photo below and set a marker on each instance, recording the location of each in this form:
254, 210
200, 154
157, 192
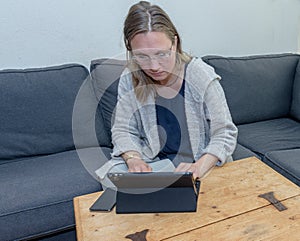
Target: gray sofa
40, 171
43, 163
263, 94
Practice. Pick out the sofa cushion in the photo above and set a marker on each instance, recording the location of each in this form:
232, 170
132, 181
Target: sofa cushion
36, 109
242, 152
105, 75
87, 124
266, 136
286, 162
257, 88
295, 108
37, 194
66, 235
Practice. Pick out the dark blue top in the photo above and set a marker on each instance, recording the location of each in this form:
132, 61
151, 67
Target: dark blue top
173, 131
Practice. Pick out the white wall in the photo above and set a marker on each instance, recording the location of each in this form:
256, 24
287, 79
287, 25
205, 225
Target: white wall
37, 33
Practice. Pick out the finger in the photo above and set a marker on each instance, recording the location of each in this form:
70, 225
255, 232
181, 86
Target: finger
136, 168
196, 175
193, 169
146, 168
180, 167
183, 167
199, 174
149, 168
141, 168
132, 169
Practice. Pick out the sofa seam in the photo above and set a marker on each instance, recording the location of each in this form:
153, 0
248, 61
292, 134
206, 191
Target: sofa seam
108, 61
37, 207
45, 69
48, 233
253, 57
26, 158
279, 165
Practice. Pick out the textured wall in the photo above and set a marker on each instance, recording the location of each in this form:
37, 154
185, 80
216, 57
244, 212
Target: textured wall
48, 32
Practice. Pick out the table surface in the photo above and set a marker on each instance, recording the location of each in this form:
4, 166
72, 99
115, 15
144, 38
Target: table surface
228, 209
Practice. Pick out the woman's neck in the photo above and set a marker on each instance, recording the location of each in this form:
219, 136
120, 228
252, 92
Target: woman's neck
171, 86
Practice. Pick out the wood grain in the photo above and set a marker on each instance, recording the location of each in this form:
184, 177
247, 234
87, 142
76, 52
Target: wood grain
262, 224
228, 192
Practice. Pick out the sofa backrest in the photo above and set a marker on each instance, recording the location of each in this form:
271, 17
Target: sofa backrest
105, 75
257, 87
295, 108
36, 110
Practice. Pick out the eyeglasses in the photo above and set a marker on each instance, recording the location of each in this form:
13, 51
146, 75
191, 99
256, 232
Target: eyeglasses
160, 57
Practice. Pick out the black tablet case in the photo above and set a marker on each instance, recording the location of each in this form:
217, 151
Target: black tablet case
155, 192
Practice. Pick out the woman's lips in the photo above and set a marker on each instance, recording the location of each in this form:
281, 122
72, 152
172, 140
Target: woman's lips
157, 74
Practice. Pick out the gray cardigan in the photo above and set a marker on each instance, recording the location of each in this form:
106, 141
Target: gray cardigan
209, 122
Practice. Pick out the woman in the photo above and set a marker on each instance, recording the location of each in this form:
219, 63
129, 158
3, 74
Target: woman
170, 105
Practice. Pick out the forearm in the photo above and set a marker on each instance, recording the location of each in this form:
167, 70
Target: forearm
207, 162
201, 167
204, 165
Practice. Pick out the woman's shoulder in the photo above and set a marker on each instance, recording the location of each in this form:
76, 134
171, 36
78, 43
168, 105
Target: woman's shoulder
126, 76
199, 75
198, 68
125, 82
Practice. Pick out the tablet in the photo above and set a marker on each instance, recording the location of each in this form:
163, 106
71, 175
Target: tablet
151, 179
148, 192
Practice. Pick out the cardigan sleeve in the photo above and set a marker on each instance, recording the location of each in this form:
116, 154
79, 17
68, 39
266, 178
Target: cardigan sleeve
223, 132
125, 131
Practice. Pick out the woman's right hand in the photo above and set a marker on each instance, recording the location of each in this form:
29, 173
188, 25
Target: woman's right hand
137, 165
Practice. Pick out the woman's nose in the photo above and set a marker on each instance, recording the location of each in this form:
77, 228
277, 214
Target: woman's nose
154, 65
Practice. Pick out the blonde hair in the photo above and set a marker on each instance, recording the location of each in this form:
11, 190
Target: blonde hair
141, 18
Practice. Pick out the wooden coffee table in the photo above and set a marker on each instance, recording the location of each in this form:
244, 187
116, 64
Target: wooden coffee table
228, 209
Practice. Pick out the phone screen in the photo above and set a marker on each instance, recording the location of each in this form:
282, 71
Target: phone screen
106, 201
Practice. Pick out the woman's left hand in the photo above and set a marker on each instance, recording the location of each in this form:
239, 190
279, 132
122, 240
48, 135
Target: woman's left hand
200, 167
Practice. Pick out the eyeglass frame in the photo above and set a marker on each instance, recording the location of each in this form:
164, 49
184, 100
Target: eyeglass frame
160, 57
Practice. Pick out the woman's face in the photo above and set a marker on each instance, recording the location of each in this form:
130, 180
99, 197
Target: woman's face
155, 54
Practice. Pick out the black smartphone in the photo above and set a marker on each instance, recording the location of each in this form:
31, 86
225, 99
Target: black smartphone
106, 201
